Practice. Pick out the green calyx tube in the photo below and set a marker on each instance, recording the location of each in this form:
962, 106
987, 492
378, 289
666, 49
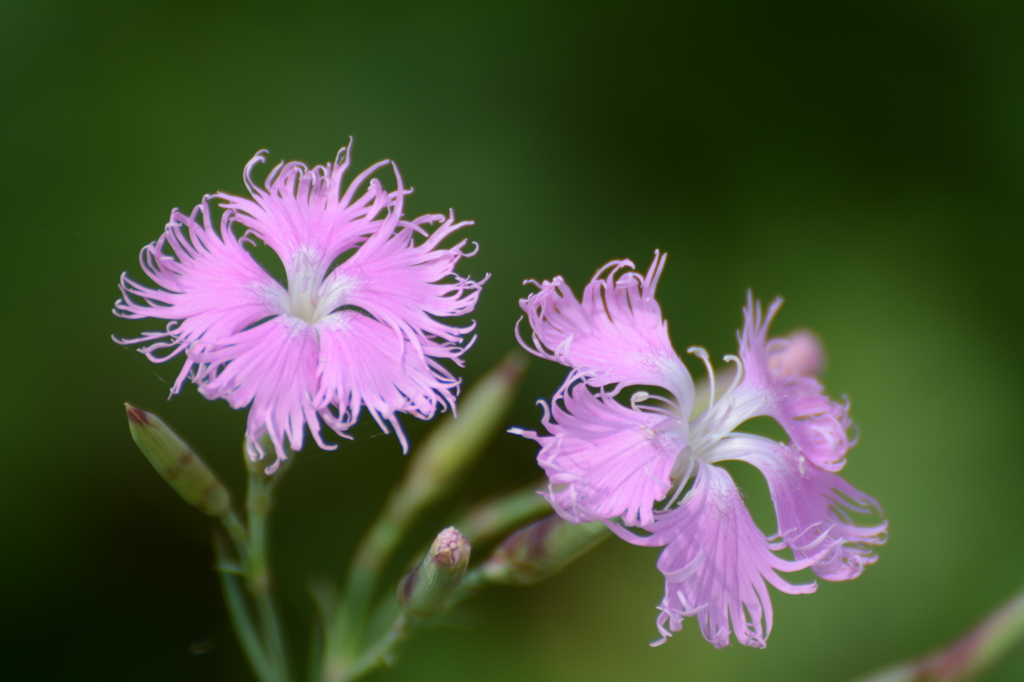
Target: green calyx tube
175, 461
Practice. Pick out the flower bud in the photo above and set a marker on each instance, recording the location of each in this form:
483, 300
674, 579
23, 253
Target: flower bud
541, 550
799, 354
426, 589
177, 463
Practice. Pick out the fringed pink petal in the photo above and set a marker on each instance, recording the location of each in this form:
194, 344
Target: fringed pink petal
815, 509
604, 460
307, 215
777, 372
206, 283
362, 363
716, 564
270, 368
406, 286
614, 336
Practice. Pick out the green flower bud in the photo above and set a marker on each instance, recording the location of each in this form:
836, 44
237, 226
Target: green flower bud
177, 463
426, 589
541, 550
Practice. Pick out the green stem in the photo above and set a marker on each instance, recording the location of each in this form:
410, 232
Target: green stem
236, 531
372, 554
496, 517
239, 612
380, 653
970, 655
433, 470
258, 575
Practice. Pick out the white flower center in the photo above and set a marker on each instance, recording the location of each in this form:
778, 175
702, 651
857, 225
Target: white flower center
303, 295
312, 293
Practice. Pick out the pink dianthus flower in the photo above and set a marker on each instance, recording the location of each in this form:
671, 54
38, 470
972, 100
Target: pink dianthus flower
632, 467
355, 325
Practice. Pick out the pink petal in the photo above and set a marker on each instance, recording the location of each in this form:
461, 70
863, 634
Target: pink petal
406, 286
716, 564
205, 279
363, 362
814, 509
605, 460
270, 368
307, 214
616, 335
800, 353
818, 426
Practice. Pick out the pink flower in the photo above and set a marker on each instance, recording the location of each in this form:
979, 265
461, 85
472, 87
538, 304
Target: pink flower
339, 336
629, 466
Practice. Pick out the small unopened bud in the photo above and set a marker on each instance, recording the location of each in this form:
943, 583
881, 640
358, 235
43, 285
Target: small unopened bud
426, 589
541, 550
177, 463
799, 354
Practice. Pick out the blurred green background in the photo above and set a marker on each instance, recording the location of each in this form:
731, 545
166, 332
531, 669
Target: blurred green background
866, 162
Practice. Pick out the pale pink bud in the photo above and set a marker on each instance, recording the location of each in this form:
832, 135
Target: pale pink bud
799, 354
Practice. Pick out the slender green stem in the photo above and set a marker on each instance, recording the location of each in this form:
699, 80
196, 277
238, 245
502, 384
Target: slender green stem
236, 531
496, 517
381, 651
258, 574
434, 468
372, 554
239, 611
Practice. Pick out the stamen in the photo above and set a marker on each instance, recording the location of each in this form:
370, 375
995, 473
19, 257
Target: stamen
638, 397
739, 370
703, 355
682, 483
672, 413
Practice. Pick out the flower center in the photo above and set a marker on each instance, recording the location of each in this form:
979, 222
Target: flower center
303, 294
314, 294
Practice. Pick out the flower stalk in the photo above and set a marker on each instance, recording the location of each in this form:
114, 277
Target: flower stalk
257, 569
530, 555
244, 564
435, 467
493, 518
967, 657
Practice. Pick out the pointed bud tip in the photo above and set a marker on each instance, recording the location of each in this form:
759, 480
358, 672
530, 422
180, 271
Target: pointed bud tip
426, 589
450, 549
137, 416
177, 463
514, 365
